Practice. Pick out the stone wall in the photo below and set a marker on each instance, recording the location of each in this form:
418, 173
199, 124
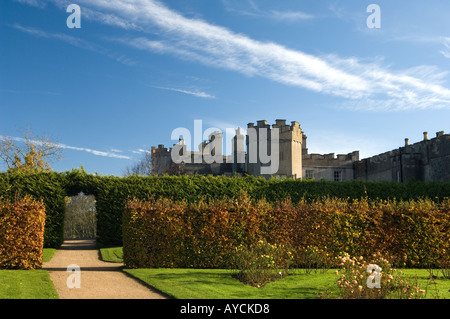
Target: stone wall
290, 149
329, 167
427, 160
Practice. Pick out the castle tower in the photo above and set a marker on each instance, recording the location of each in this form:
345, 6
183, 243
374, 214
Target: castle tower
289, 146
291, 139
238, 152
161, 160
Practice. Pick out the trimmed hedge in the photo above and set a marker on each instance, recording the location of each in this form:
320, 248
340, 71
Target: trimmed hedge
163, 233
112, 193
47, 187
21, 233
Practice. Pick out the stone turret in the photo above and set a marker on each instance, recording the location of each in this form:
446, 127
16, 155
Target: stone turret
289, 146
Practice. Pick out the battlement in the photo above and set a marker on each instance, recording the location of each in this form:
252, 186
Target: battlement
350, 157
440, 136
279, 123
426, 160
259, 124
160, 150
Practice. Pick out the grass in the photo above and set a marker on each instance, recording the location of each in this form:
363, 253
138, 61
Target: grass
218, 284
26, 284
47, 254
202, 283
112, 254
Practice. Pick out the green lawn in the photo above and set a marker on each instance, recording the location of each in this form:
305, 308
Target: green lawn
112, 254
47, 254
26, 284
200, 283
218, 284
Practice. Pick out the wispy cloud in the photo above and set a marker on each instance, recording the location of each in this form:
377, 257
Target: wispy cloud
112, 153
190, 92
364, 85
59, 36
140, 151
249, 8
74, 41
446, 43
34, 3
289, 15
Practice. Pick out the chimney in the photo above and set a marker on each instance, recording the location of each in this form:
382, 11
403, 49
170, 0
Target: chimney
425, 136
406, 141
439, 134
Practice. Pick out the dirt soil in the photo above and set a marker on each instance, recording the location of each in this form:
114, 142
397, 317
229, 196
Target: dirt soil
98, 279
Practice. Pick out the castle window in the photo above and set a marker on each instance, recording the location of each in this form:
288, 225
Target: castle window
337, 176
309, 174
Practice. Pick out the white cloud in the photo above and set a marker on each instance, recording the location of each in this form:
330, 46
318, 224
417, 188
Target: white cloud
289, 15
34, 3
140, 151
249, 8
194, 93
363, 85
112, 153
446, 43
94, 152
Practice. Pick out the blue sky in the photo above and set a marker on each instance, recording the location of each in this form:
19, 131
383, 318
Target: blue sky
138, 69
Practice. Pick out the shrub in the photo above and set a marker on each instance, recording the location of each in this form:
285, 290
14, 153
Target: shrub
21, 233
47, 187
112, 192
314, 259
203, 234
261, 263
359, 279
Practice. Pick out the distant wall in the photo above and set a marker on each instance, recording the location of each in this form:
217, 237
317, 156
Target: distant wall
329, 167
427, 160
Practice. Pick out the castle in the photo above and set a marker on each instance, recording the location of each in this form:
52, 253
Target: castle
264, 145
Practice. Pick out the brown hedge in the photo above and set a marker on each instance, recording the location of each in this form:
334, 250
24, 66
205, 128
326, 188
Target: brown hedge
22, 224
164, 233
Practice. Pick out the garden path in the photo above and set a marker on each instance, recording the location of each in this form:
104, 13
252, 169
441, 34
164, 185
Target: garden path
97, 279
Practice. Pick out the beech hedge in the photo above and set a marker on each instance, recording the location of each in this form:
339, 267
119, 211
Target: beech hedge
163, 233
21, 233
112, 193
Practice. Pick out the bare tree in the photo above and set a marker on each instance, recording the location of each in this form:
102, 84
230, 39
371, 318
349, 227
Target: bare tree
29, 151
142, 167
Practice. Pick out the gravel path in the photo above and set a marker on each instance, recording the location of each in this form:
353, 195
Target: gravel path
98, 279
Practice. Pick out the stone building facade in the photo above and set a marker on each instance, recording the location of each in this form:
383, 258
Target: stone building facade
289, 149
428, 160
